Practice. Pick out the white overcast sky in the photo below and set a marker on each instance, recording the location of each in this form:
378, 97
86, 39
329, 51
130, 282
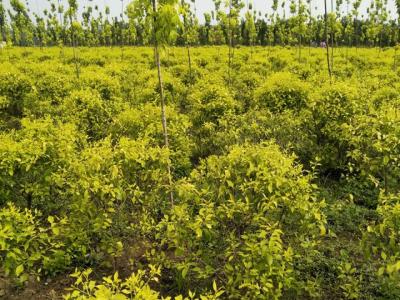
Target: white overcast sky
202, 6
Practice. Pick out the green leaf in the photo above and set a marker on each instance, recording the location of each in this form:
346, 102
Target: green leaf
386, 160
50, 219
19, 270
114, 172
184, 272
199, 232
56, 231
75, 294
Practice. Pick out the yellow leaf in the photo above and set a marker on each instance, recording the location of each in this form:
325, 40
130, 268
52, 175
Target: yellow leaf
215, 286
322, 229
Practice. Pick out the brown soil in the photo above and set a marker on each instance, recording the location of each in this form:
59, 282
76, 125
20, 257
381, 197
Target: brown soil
54, 288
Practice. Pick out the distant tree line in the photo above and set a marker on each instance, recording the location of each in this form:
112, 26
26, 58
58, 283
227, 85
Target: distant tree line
229, 23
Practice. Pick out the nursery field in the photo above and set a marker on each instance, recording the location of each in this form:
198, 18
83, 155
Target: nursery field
276, 180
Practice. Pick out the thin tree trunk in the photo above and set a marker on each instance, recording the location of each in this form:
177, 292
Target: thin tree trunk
327, 42
332, 52
62, 35
356, 34
190, 61
59, 12
310, 29
122, 30
385, 179
251, 50
76, 61
300, 37
346, 32
230, 42
74, 48
2, 35
162, 96
188, 48
332, 37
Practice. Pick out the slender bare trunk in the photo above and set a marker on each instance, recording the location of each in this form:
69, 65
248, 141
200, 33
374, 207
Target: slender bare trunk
356, 34
62, 35
2, 34
188, 48
73, 40
190, 62
385, 179
162, 96
122, 30
310, 29
327, 42
332, 37
59, 12
300, 37
230, 58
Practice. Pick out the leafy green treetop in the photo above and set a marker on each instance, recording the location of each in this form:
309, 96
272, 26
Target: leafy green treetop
2, 21
21, 24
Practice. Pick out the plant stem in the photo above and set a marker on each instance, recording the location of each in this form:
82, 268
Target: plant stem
162, 96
